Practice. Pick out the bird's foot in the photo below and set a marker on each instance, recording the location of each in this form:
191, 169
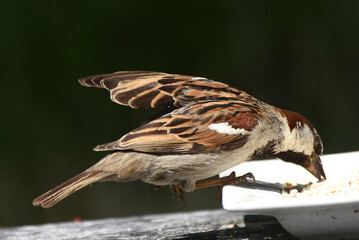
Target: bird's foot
287, 187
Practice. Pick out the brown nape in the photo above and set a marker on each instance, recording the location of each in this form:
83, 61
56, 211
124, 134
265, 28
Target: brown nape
294, 118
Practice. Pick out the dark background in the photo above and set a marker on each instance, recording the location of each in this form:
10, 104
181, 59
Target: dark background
297, 55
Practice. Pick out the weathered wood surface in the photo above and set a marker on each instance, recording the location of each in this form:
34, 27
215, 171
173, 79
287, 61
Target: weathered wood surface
215, 224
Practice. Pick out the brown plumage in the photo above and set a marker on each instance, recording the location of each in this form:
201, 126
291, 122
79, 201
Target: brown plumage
208, 128
201, 102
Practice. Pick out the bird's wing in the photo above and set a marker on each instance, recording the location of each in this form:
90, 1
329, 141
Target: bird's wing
154, 89
201, 127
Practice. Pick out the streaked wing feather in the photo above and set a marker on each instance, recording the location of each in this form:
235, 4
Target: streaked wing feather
154, 89
186, 131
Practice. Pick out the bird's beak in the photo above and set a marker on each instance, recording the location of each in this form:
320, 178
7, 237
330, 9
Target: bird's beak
315, 167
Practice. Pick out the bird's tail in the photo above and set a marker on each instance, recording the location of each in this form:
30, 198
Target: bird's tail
65, 189
118, 166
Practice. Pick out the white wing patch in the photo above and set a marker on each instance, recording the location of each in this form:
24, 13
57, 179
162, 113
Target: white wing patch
225, 128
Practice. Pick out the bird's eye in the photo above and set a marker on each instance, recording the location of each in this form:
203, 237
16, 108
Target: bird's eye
318, 146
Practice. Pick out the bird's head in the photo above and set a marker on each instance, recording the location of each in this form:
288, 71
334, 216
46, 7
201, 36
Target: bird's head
302, 144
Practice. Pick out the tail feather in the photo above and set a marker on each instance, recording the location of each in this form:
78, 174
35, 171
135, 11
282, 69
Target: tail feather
65, 189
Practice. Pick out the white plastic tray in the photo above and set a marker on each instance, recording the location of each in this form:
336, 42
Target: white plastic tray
326, 217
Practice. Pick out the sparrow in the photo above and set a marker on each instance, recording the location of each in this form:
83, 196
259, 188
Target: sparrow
205, 128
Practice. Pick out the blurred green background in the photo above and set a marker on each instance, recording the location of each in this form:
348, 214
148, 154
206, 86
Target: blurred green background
301, 56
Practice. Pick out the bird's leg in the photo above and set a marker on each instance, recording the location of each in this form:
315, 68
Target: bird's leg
229, 180
176, 190
153, 188
221, 182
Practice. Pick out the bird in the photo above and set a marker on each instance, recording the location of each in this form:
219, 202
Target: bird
204, 128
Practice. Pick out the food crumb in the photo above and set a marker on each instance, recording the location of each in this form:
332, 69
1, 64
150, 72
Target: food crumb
332, 186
